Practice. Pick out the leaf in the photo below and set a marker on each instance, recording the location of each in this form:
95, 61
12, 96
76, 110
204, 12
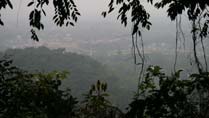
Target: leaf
29, 4
104, 14
76, 19
72, 24
47, 2
31, 15
135, 29
10, 4
34, 35
44, 12
67, 24
111, 3
177, 74
139, 33
1, 22
78, 13
111, 9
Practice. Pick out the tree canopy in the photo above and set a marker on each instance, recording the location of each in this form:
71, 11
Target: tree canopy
37, 95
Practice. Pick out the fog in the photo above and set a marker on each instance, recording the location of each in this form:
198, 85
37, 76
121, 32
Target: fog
96, 48
90, 26
93, 35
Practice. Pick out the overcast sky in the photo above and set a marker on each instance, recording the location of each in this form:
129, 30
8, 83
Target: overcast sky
90, 10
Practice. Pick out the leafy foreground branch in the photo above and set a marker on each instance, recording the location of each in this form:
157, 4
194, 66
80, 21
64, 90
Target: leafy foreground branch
26, 95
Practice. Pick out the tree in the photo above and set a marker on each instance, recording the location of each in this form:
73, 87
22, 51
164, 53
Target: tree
163, 96
25, 95
96, 104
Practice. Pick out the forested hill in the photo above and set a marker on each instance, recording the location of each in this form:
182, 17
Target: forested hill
83, 70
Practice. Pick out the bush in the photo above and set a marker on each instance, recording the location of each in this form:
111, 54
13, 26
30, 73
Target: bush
26, 95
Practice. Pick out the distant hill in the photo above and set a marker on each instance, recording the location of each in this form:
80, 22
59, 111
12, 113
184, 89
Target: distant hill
84, 71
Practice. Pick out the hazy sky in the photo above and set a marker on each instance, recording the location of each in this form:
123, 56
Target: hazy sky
90, 9
17, 19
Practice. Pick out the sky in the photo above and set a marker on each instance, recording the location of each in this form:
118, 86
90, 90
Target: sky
91, 25
90, 9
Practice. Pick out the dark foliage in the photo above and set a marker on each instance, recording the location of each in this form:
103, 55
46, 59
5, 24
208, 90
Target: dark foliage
66, 13
4, 4
197, 14
96, 104
161, 96
164, 96
138, 14
33, 95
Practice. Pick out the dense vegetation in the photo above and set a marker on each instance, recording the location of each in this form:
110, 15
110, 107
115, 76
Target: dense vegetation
158, 96
83, 70
39, 95
26, 95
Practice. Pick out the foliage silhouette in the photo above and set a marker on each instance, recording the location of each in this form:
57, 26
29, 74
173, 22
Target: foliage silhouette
198, 14
96, 104
139, 15
163, 96
66, 13
33, 95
